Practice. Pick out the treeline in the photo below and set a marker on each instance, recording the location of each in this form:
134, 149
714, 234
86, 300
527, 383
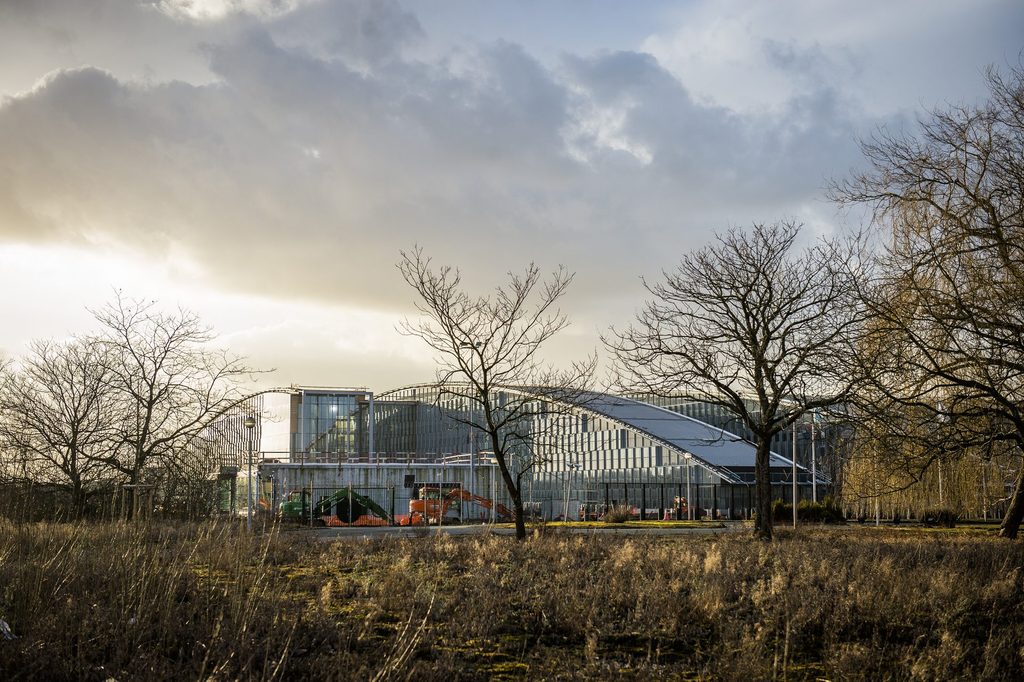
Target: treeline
911, 332
99, 423
940, 396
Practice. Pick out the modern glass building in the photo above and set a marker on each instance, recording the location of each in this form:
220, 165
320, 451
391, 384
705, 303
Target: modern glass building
606, 450
598, 451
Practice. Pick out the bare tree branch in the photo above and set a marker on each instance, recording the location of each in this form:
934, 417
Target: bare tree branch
167, 381
948, 309
57, 414
488, 357
752, 326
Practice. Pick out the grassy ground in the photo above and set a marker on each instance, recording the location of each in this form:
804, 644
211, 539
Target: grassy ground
602, 525
210, 602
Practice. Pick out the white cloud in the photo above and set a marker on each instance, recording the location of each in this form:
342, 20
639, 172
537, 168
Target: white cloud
885, 57
214, 10
287, 151
51, 289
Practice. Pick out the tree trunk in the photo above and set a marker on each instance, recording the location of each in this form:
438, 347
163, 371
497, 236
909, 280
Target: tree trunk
77, 499
517, 507
512, 487
763, 489
1015, 512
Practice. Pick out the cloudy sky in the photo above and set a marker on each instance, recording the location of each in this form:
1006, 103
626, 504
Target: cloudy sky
262, 162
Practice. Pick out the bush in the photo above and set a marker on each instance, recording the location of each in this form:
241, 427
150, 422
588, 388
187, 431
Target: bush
946, 518
781, 511
826, 511
619, 513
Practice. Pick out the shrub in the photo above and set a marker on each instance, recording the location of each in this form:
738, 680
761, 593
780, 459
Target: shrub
781, 511
940, 516
619, 513
826, 511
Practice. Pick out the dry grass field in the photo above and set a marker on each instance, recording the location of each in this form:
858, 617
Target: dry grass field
211, 602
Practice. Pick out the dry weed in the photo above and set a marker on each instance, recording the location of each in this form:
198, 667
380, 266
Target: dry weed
187, 601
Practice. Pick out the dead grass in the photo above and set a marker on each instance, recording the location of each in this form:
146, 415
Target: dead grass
191, 602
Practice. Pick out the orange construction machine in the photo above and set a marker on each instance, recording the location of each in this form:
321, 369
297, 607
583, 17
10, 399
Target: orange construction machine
433, 503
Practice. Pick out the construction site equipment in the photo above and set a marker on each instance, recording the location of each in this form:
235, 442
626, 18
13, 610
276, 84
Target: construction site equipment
596, 512
345, 507
433, 504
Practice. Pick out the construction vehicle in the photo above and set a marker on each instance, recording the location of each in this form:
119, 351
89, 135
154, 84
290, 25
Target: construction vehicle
345, 507
433, 503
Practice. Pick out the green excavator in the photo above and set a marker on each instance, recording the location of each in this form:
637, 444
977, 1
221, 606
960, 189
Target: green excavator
345, 507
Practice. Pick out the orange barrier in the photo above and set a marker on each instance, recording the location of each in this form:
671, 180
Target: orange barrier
364, 520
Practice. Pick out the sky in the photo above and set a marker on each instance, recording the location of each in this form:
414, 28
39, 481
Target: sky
264, 162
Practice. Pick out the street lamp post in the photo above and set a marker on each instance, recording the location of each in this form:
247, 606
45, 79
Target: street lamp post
570, 468
494, 495
472, 429
689, 492
250, 424
814, 463
794, 475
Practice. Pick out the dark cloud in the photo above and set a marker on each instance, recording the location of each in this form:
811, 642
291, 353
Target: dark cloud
316, 147
363, 32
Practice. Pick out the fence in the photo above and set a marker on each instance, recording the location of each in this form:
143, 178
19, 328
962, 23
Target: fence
335, 506
26, 501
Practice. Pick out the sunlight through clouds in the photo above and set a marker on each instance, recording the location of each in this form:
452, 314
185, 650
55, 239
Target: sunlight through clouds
286, 150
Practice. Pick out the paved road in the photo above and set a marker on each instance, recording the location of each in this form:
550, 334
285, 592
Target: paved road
421, 531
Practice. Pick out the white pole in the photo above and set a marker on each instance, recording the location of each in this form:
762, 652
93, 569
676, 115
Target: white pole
814, 465
250, 423
472, 417
248, 520
689, 492
372, 423
565, 506
794, 475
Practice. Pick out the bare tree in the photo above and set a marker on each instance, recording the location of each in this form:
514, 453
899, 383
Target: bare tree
752, 325
57, 414
949, 308
168, 382
10, 457
488, 355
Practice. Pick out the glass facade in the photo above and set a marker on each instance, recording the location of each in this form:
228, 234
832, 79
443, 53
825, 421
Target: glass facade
225, 443
416, 424
595, 458
328, 426
589, 455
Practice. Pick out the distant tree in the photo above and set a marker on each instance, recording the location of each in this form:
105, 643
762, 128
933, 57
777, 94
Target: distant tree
10, 458
167, 382
948, 309
488, 344
57, 414
754, 325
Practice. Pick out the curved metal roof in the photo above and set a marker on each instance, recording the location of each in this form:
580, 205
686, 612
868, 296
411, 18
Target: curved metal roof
711, 447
